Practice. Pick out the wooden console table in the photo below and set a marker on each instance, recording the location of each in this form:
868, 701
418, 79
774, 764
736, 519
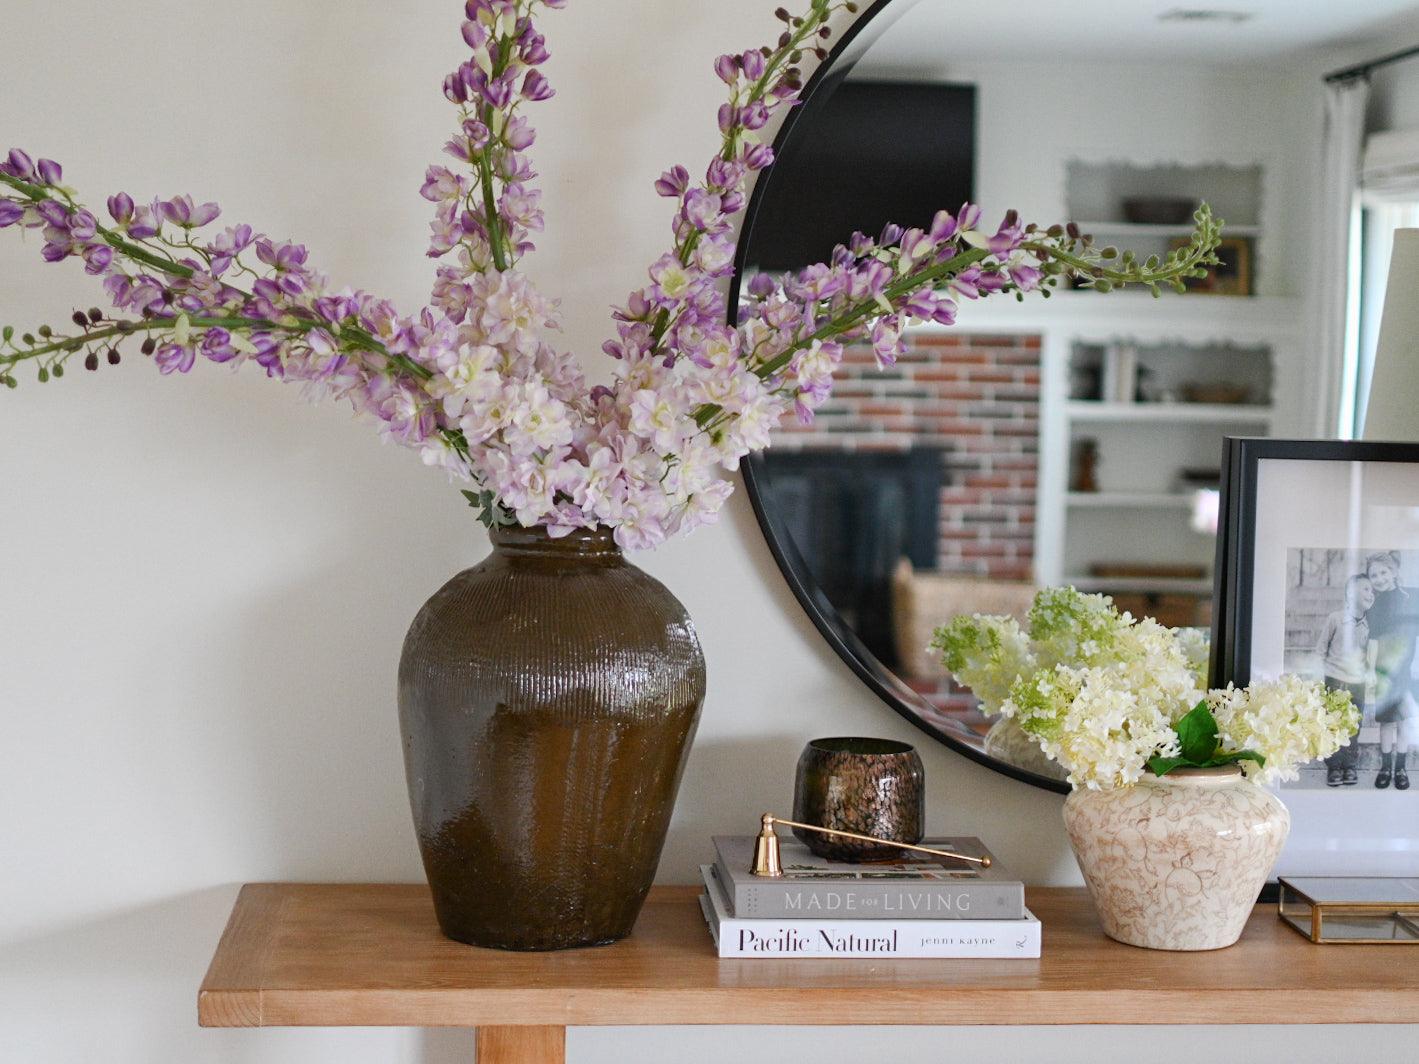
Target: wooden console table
355, 955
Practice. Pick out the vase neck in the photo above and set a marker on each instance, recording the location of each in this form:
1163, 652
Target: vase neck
1201, 777
580, 543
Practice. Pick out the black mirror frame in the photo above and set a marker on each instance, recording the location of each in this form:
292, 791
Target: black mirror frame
855, 41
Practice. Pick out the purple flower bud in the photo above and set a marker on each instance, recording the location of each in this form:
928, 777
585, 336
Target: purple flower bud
454, 89
990, 281
174, 358
19, 165
97, 259
50, 172
83, 225
761, 285
53, 212
728, 116
755, 116
702, 209
752, 63
217, 345
477, 132
534, 49
1027, 278
891, 233
474, 35
758, 156
55, 252
1006, 239
968, 217
180, 210
723, 175
519, 134
673, 182
536, 88
10, 212
727, 67
145, 223
943, 226
120, 208
733, 202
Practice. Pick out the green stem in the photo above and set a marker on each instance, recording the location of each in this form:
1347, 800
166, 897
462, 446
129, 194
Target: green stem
353, 337
496, 238
898, 288
138, 254
40, 193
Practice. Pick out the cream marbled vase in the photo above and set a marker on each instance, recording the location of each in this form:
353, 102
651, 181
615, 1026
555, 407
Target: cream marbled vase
1176, 862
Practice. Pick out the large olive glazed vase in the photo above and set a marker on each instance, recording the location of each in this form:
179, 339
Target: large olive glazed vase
548, 697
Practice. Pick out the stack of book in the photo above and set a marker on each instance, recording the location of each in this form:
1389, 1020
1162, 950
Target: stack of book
917, 906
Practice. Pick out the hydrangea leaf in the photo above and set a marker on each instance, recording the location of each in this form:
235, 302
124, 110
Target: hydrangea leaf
1197, 735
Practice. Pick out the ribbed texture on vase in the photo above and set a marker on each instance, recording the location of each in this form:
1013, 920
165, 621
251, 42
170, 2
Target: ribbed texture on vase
547, 698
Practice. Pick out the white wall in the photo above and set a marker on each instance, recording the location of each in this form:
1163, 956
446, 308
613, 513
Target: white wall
204, 583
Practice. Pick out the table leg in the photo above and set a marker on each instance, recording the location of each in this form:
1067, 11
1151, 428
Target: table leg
522, 1045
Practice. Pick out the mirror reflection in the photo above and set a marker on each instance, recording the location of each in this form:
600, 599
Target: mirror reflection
1077, 439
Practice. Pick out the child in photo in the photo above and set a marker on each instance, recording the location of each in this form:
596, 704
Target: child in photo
1394, 627
1343, 648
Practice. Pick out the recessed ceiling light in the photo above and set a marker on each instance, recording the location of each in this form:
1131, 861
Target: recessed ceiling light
1197, 14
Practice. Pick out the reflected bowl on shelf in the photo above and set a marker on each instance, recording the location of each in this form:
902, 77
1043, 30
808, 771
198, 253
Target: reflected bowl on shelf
1159, 210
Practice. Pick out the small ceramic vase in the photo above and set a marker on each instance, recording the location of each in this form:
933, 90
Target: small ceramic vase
868, 786
1176, 862
1007, 741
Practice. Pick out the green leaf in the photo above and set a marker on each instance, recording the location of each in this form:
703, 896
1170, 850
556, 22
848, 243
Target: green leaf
1197, 735
1161, 766
472, 497
1233, 756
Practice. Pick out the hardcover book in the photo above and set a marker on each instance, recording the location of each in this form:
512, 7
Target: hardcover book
738, 937
916, 886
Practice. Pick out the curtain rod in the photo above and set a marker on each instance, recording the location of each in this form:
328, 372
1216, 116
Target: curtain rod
1363, 69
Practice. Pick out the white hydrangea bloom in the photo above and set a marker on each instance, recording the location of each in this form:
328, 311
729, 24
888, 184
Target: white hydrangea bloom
1289, 721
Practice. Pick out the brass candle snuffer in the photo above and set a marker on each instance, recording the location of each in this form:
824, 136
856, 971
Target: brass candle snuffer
766, 852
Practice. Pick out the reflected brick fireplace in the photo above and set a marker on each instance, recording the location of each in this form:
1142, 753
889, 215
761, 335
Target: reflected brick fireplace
975, 398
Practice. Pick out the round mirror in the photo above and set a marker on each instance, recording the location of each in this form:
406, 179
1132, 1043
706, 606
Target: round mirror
1077, 439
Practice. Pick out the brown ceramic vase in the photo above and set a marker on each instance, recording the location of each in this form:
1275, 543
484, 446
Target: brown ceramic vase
547, 699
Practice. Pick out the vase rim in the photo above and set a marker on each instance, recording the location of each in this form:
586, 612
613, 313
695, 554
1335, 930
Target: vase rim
1217, 773
861, 746
579, 542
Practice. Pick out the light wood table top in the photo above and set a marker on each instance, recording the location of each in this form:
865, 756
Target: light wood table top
362, 954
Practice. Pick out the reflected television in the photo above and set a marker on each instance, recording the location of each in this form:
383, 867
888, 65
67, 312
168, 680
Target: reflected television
862, 154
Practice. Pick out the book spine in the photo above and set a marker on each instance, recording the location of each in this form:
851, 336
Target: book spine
880, 901
862, 939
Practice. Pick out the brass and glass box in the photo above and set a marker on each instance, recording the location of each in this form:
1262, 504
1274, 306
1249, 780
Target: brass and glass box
1369, 909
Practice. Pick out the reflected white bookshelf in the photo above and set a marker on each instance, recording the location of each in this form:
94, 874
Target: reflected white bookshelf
1199, 413
1130, 500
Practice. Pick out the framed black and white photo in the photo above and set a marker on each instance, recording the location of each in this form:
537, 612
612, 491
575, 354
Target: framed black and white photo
1318, 575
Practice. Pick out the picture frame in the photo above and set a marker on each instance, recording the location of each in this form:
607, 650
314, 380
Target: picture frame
1233, 276
1318, 574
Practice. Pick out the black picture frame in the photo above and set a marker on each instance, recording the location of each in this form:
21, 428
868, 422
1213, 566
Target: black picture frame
1231, 660
1323, 819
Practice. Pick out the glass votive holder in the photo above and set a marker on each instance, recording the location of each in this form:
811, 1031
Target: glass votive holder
868, 786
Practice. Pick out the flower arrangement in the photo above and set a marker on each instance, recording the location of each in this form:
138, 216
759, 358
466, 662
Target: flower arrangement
472, 380
1110, 697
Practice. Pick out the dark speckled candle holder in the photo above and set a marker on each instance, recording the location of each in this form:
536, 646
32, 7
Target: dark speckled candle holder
870, 786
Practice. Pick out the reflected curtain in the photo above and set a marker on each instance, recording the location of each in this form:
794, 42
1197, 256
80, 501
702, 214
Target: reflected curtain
1389, 195
1337, 233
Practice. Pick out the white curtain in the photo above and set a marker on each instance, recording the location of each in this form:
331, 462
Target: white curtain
1341, 145
1389, 195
